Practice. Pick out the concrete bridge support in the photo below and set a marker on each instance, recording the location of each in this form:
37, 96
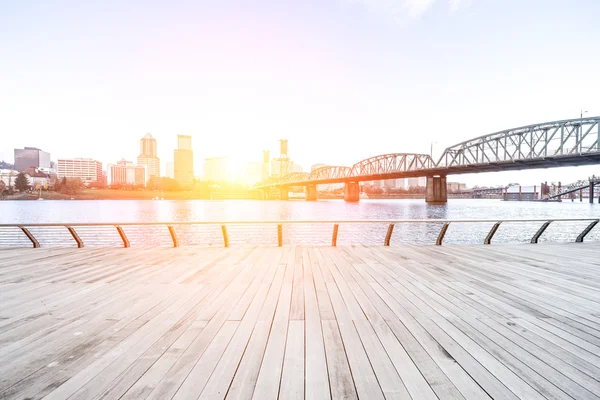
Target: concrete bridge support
436, 190
592, 192
311, 193
284, 193
351, 192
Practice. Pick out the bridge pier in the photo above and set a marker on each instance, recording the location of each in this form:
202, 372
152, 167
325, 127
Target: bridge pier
591, 192
436, 190
351, 192
311, 192
284, 193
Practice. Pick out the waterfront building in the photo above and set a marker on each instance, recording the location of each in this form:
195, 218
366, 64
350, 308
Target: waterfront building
37, 178
184, 161
417, 182
284, 166
400, 183
148, 156
389, 184
126, 173
86, 169
170, 170
456, 186
253, 173
518, 192
7, 177
266, 170
216, 169
296, 168
31, 157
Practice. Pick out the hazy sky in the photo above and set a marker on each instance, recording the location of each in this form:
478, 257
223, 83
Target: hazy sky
342, 80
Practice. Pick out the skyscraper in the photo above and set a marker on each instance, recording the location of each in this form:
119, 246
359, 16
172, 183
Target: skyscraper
31, 157
148, 156
184, 161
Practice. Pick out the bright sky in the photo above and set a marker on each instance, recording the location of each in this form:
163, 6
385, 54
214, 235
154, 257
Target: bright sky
342, 80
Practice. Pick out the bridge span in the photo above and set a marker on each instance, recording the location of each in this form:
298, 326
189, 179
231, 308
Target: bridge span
570, 142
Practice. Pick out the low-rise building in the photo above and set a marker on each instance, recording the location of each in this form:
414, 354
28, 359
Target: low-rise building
37, 178
8, 176
518, 192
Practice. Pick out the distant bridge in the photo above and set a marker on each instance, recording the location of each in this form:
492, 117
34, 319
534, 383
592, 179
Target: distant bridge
579, 186
563, 143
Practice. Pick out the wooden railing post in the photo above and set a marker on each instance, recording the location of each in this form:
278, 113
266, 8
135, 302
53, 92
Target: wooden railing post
442, 233
490, 235
75, 236
388, 235
123, 236
335, 235
173, 236
36, 244
279, 235
225, 235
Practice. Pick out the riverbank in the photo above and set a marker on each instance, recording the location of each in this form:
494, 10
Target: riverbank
113, 194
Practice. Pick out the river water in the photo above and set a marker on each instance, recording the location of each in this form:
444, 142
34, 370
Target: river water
119, 211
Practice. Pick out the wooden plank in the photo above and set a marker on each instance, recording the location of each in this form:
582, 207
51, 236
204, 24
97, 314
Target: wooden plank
340, 377
316, 382
292, 379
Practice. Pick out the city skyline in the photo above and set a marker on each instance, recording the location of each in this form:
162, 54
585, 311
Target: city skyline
363, 78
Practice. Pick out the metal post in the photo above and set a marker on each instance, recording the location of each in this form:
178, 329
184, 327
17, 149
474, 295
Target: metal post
279, 235
123, 236
388, 235
75, 236
335, 234
225, 235
537, 235
173, 236
490, 235
440, 237
36, 244
586, 231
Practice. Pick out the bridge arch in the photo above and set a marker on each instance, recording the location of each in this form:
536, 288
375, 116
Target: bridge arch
392, 163
293, 177
330, 172
560, 139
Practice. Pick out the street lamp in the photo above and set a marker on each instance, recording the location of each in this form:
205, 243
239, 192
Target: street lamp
581, 114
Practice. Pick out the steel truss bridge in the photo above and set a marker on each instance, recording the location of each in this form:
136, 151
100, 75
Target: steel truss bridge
563, 143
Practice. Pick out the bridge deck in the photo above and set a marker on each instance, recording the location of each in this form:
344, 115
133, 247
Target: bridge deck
420, 322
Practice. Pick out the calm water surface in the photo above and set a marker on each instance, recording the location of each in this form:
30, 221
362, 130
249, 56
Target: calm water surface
235, 210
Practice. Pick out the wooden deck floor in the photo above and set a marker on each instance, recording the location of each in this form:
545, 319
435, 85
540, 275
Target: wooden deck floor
407, 322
